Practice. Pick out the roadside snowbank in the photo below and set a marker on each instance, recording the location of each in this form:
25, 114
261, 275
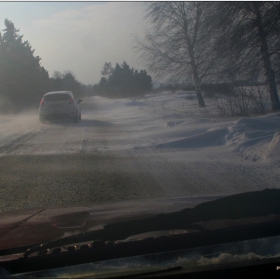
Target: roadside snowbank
170, 121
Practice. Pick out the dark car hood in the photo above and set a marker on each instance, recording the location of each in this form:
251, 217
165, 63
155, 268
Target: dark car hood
129, 231
39, 225
123, 219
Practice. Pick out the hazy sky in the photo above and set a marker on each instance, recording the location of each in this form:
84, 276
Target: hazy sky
78, 36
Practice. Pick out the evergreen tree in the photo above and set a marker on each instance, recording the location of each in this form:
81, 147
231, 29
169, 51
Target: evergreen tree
66, 81
123, 81
22, 79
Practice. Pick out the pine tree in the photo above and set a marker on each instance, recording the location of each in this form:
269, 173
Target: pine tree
123, 81
22, 79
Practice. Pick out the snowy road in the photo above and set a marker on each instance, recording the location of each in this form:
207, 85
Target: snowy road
123, 149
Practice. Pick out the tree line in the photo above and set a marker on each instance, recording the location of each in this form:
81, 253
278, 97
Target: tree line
23, 80
220, 42
200, 42
122, 81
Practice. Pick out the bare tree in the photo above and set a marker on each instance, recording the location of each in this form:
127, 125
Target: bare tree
178, 44
247, 40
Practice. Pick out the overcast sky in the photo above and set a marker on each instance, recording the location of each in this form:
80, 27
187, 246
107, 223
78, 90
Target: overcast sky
78, 36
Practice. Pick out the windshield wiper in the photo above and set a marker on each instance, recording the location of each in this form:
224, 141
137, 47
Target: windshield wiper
256, 252
46, 256
250, 205
150, 273
108, 243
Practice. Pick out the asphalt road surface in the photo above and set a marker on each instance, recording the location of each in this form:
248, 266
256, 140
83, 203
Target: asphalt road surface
106, 158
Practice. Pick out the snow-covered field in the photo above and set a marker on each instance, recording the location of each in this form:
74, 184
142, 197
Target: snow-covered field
170, 121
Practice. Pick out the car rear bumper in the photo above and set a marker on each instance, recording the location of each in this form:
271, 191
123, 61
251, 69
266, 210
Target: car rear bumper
53, 116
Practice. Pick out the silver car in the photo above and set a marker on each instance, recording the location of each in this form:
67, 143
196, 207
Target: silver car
59, 104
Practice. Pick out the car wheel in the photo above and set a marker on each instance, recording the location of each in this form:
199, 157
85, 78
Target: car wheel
41, 119
76, 118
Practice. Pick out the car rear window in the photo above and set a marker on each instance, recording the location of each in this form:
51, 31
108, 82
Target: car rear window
57, 97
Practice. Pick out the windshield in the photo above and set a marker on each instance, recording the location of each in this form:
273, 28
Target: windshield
56, 97
167, 105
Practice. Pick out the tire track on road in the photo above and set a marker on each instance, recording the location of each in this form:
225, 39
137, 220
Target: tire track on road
16, 143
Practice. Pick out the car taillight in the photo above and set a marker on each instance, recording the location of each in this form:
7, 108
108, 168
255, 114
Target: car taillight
42, 102
71, 100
